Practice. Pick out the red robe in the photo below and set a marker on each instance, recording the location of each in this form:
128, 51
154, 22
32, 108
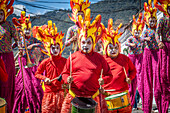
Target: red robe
54, 94
3, 73
86, 70
118, 81
53, 67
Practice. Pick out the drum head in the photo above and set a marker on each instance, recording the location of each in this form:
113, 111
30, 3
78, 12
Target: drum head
2, 102
115, 96
85, 103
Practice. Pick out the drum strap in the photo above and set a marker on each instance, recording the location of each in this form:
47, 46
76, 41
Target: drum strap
74, 95
95, 95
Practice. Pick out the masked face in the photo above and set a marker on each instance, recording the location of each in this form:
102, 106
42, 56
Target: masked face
168, 10
79, 13
55, 50
86, 45
112, 51
99, 47
152, 22
2, 15
27, 32
136, 33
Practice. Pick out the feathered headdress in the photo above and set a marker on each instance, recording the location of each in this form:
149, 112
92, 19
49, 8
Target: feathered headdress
49, 36
6, 7
150, 12
138, 25
78, 6
163, 7
88, 29
22, 23
111, 36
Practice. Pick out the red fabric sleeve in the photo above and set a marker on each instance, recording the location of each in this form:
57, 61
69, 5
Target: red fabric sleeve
40, 70
3, 73
107, 75
66, 70
132, 70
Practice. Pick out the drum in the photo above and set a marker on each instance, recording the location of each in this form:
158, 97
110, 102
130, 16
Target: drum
3, 105
83, 105
117, 101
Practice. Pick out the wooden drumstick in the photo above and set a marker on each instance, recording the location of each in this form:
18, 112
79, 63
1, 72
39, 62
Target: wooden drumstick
101, 77
110, 90
125, 72
54, 79
70, 69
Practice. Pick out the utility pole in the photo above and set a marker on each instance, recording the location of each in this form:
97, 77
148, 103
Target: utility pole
139, 4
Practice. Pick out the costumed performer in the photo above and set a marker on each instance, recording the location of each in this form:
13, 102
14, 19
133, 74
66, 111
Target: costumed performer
118, 64
136, 54
163, 32
28, 91
53, 66
86, 66
78, 7
150, 57
7, 33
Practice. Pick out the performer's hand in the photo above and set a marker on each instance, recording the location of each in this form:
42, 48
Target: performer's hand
132, 44
128, 80
161, 45
102, 90
69, 79
74, 38
101, 81
148, 38
20, 51
47, 81
14, 45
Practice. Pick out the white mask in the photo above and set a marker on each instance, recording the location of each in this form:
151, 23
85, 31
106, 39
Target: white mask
27, 32
152, 22
112, 51
55, 49
136, 33
86, 45
2, 16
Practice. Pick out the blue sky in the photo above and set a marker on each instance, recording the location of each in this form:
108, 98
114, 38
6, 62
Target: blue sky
45, 5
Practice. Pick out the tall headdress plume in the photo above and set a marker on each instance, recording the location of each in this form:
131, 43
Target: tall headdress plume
88, 29
78, 6
163, 7
150, 12
6, 6
23, 22
49, 36
138, 25
111, 36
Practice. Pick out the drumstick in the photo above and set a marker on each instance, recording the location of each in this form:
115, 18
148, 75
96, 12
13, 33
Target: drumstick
110, 90
70, 65
101, 77
100, 95
54, 79
125, 72
70, 69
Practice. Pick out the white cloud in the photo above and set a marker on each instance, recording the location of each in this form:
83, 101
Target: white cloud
18, 9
